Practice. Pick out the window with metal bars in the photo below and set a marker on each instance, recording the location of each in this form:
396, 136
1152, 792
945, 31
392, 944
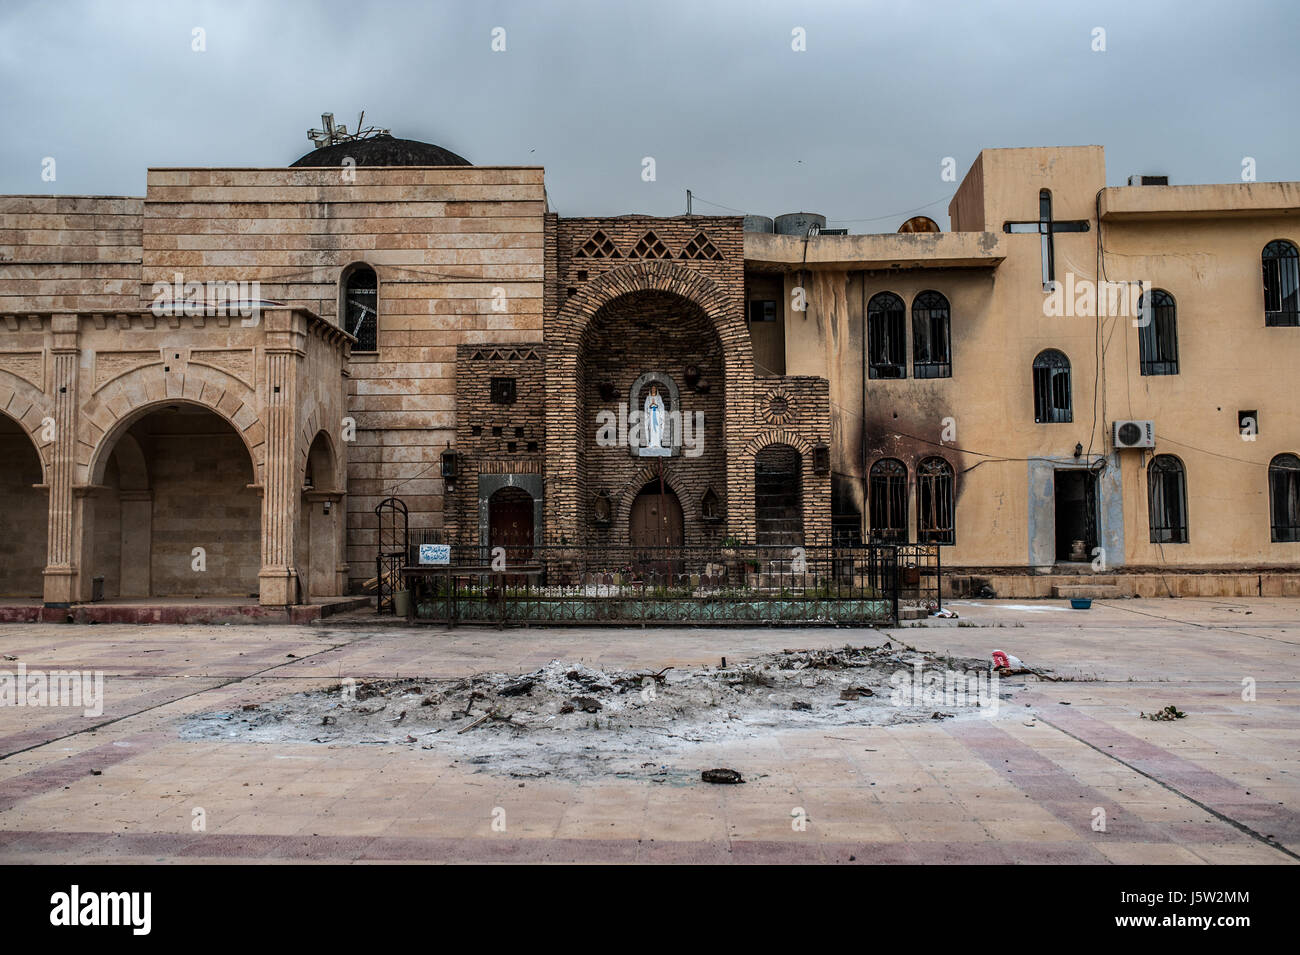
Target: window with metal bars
1167, 500
361, 307
886, 337
1284, 497
1281, 283
502, 391
934, 502
1052, 388
931, 342
887, 501
1158, 338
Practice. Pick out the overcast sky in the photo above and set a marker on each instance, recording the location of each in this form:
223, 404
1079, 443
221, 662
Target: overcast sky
856, 126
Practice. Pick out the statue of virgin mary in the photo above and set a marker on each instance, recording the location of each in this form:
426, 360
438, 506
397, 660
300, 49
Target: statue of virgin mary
653, 423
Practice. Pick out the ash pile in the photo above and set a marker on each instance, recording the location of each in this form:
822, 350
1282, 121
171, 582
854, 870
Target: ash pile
570, 720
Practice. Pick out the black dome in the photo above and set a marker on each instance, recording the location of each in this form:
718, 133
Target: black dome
383, 150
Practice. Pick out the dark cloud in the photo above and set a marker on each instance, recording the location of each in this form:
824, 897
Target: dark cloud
855, 127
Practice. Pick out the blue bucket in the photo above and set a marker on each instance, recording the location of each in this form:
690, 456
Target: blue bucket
1081, 603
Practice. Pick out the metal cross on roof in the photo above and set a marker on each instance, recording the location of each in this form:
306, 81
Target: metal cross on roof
1046, 226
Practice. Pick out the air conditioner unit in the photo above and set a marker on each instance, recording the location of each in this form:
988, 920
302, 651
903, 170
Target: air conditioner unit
1134, 434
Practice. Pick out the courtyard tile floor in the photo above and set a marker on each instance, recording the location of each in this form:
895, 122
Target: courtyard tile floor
1220, 786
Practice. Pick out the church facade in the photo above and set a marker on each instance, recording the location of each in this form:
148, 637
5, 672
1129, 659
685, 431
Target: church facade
209, 390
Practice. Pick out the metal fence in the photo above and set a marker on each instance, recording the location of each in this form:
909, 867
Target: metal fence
711, 585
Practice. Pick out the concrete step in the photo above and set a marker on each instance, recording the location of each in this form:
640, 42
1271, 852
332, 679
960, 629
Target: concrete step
1096, 588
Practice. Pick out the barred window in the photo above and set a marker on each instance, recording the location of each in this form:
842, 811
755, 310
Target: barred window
1167, 500
931, 344
361, 307
886, 337
934, 502
1281, 283
887, 501
502, 391
1284, 497
1052, 388
1158, 338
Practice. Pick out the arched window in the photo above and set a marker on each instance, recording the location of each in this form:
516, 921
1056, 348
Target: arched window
1052, 388
931, 344
887, 501
934, 502
1158, 338
1167, 500
778, 496
360, 306
886, 337
1281, 283
1284, 497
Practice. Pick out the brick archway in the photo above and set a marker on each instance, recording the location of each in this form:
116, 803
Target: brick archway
638, 484
722, 308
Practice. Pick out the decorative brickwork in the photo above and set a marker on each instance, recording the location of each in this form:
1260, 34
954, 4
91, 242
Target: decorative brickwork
492, 437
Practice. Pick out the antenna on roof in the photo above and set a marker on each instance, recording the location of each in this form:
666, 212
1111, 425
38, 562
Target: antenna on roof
329, 134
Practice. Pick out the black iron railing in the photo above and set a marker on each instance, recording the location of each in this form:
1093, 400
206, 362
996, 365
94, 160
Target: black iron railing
713, 584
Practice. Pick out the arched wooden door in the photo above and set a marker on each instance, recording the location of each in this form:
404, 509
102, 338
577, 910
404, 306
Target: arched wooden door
656, 524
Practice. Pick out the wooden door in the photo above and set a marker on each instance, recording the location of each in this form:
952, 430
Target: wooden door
510, 524
656, 524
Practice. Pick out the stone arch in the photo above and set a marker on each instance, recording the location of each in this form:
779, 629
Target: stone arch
310, 436
170, 508
321, 524
24, 516
28, 407
102, 423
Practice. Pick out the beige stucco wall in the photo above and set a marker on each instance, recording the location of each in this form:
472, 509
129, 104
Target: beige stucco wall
1004, 460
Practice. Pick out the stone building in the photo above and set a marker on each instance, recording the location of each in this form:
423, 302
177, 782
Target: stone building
393, 321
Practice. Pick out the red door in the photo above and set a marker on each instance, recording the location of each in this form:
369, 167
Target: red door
510, 524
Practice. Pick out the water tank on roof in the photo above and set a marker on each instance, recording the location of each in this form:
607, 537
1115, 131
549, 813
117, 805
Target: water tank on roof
798, 223
758, 224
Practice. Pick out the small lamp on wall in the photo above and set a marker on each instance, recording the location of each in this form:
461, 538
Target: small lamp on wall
449, 467
821, 459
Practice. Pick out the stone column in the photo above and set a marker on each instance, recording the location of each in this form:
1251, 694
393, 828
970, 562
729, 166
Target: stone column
64, 547
281, 492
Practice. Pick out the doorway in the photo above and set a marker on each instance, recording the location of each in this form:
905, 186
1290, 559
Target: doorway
778, 508
1076, 514
656, 524
510, 524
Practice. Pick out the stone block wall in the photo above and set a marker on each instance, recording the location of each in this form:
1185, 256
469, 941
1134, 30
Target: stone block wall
70, 253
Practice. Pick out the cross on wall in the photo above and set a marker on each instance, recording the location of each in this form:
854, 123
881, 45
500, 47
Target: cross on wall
1046, 227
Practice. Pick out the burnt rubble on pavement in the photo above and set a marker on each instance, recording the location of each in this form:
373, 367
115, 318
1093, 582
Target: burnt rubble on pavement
569, 719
